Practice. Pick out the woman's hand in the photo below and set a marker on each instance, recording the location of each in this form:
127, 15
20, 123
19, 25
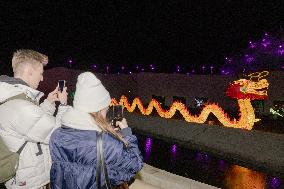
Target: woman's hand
122, 124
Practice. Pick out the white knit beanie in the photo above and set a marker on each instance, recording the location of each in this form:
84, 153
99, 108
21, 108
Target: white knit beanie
91, 95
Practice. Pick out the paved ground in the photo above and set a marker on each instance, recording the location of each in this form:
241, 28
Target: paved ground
258, 150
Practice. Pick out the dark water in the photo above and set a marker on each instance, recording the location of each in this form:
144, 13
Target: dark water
202, 167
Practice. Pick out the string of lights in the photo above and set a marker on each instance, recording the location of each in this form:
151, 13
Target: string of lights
266, 53
251, 90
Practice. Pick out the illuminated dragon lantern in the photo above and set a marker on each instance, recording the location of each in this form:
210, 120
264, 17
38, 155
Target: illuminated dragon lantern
243, 90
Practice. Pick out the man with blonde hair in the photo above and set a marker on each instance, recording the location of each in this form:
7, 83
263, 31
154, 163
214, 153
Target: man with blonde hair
26, 124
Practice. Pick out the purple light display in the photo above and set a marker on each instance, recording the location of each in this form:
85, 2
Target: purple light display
94, 66
249, 59
201, 157
211, 69
70, 62
198, 157
225, 72
252, 45
280, 50
148, 145
148, 148
178, 68
203, 160
222, 165
275, 183
265, 54
174, 152
174, 149
265, 42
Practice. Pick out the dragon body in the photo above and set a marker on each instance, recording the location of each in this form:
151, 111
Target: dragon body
243, 90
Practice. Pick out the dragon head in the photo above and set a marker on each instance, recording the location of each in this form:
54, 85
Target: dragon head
249, 89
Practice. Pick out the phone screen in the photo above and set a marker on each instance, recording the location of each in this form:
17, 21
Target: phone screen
61, 84
117, 114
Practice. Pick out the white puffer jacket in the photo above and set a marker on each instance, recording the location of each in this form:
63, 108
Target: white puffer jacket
20, 121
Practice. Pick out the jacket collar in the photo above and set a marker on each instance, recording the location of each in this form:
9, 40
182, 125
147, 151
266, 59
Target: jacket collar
8, 90
30, 92
79, 120
12, 80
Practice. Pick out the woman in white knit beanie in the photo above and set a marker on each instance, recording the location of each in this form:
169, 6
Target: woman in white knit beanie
73, 147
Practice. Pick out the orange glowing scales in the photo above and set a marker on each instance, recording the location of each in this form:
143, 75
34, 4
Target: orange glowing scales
243, 90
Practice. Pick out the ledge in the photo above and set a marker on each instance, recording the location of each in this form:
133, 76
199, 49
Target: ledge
150, 178
261, 151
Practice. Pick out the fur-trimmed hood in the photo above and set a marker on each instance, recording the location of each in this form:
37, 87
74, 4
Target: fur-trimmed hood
79, 120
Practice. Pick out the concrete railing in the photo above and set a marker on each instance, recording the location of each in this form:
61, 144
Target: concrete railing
150, 178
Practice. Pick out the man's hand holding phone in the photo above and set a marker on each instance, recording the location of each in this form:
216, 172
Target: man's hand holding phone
62, 96
61, 85
53, 96
58, 94
62, 92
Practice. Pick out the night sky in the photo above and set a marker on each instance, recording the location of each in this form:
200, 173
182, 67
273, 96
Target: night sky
135, 32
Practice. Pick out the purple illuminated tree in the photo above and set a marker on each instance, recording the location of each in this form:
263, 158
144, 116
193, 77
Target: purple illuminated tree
265, 54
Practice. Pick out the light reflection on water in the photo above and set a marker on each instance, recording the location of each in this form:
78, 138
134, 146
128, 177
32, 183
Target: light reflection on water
147, 149
238, 177
203, 167
173, 152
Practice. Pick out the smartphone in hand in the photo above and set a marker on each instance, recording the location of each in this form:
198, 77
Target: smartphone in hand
61, 85
117, 115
